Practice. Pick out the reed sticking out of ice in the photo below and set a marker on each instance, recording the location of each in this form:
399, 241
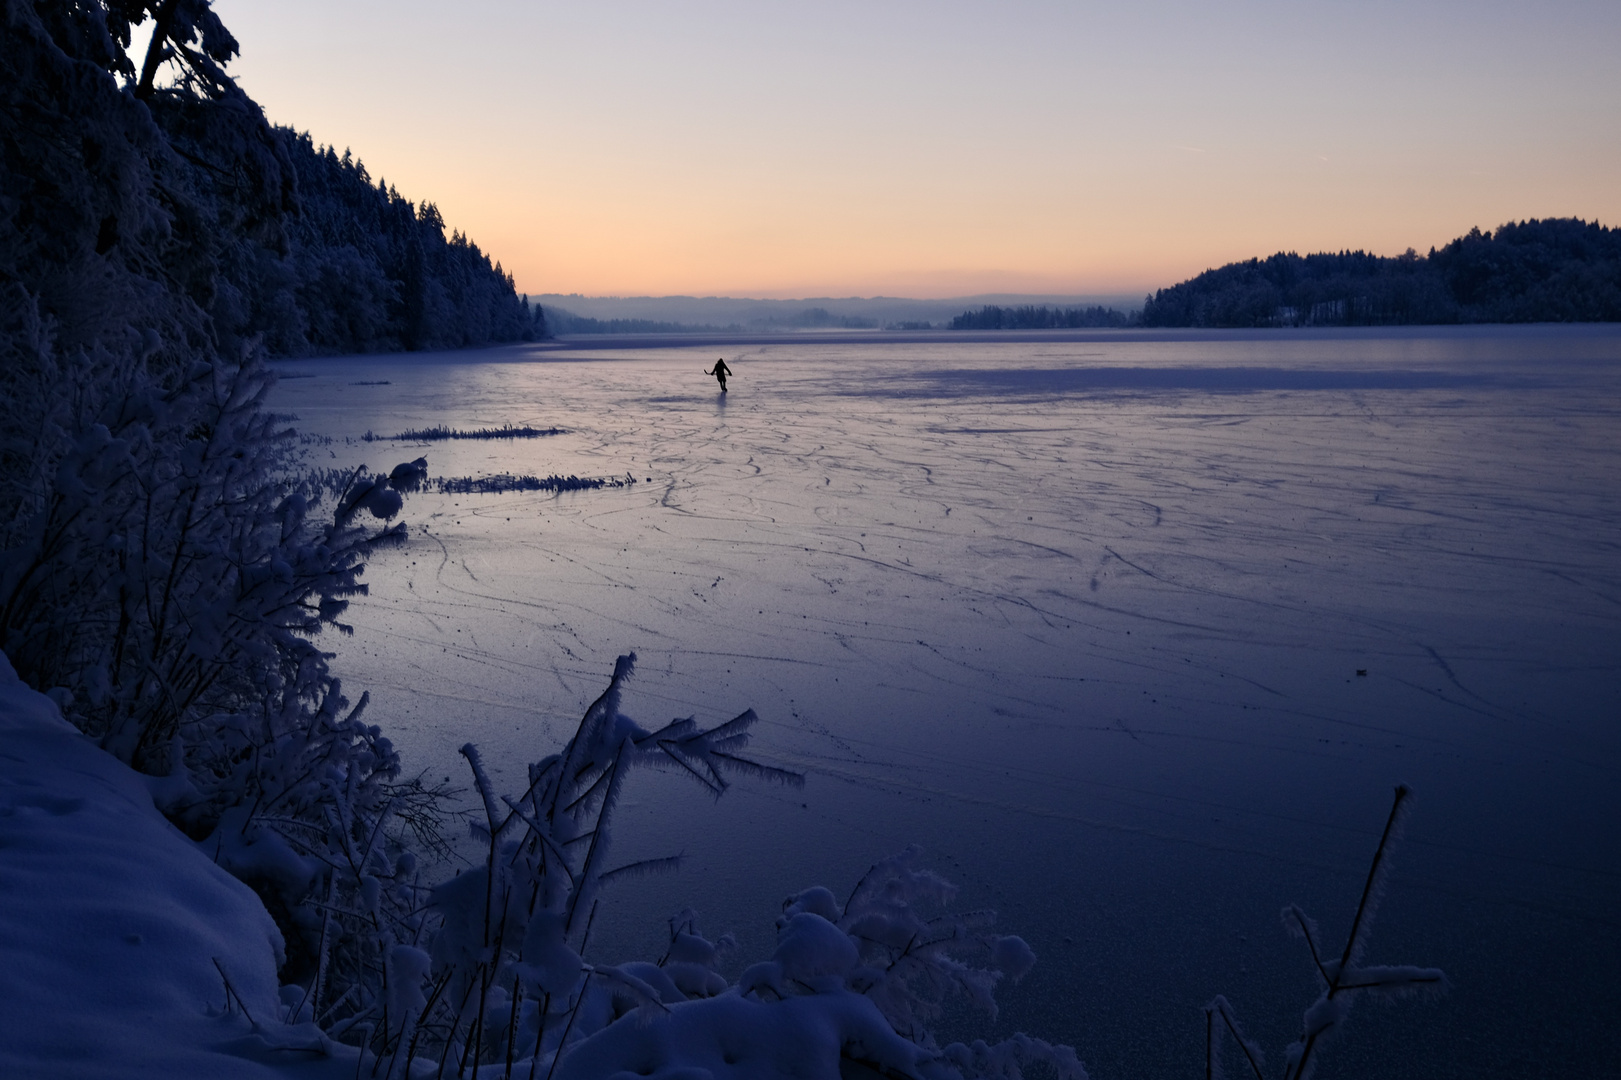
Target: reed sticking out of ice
439, 433
1342, 977
505, 482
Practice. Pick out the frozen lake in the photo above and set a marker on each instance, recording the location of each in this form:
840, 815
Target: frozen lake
1086, 618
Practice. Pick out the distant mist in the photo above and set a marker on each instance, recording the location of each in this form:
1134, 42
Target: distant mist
565, 313
1547, 270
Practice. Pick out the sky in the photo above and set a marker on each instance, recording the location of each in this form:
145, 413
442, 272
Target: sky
788, 149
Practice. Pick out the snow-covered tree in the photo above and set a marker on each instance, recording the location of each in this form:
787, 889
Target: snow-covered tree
163, 567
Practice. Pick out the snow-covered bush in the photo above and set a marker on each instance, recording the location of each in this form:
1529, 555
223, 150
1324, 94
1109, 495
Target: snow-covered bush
487, 966
488, 973
171, 569
163, 568
164, 577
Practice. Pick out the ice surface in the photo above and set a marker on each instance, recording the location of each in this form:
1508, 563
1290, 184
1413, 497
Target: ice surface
1087, 619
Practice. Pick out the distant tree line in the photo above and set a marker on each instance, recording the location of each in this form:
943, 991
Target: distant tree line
819, 318
556, 320
1032, 317
562, 321
1552, 270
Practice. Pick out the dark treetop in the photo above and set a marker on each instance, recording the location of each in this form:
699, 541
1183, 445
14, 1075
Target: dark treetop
1554, 270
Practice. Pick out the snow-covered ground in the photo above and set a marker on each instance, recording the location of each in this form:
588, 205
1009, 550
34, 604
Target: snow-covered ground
1132, 633
124, 952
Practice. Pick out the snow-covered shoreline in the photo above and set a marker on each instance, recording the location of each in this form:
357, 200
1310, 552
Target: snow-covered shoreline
117, 934
125, 951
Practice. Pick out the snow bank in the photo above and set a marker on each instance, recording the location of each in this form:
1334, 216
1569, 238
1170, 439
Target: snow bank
733, 1038
117, 935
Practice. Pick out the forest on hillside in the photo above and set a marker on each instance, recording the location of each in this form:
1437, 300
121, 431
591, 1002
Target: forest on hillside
127, 202
1550, 270
367, 270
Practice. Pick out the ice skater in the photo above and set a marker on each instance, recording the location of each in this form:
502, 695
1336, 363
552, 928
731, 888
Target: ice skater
720, 371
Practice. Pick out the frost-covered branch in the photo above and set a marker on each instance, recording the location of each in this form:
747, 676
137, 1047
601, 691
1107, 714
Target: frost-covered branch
1342, 979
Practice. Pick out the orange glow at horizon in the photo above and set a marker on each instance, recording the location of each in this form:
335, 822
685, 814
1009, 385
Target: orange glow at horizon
631, 149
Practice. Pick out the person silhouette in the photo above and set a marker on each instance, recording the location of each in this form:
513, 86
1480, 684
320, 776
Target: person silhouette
720, 371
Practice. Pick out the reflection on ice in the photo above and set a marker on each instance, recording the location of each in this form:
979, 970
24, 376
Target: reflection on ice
1086, 620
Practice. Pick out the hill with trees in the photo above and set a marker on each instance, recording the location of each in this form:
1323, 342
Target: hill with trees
367, 270
125, 201
1552, 270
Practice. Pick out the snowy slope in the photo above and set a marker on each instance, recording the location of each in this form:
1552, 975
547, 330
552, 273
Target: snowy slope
112, 923
125, 952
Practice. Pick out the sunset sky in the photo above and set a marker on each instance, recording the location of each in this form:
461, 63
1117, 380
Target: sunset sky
949, 148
